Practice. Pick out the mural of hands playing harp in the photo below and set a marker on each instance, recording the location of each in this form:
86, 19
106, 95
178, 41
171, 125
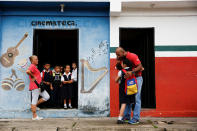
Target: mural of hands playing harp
86, 78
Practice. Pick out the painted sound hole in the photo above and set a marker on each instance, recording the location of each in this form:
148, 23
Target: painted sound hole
10, 54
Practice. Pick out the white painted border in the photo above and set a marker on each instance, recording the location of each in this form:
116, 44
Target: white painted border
176, 54
112, 55
168, 54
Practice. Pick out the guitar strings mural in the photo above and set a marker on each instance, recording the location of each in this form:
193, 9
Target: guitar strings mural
8, 58
9, 83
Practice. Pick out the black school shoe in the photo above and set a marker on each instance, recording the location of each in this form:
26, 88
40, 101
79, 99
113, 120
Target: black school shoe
120, 122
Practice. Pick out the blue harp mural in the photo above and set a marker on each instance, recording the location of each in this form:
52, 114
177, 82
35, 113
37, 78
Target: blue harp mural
8, 58
85, 63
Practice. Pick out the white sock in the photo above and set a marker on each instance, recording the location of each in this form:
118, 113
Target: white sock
65, 105
120, 118
69, 104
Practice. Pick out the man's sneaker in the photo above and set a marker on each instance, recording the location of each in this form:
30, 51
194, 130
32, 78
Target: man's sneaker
70, 106
133, 122
37, 118
120, 122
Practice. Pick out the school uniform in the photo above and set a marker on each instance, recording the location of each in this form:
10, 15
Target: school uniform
123, 98
66, 88
47, 76
55, 93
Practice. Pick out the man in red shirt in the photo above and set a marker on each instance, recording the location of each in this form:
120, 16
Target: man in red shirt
137, 70
34, 74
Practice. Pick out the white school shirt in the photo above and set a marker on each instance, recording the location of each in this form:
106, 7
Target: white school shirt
62, 77
74, 74
44, 71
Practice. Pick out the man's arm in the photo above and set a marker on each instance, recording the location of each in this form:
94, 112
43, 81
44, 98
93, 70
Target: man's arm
138, 68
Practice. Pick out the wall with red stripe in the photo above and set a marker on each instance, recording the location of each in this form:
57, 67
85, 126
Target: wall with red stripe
176, 88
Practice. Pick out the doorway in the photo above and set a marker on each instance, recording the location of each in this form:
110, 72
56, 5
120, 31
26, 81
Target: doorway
57, 47
141, 42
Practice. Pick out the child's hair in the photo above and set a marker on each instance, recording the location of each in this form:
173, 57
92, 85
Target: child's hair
118, 66
46, 63
74, 63
127, 62
66, 66
57, 66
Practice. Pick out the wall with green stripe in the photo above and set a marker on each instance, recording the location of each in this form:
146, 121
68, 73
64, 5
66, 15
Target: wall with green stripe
168, 48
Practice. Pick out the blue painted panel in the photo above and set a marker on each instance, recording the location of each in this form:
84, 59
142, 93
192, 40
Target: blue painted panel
93, 55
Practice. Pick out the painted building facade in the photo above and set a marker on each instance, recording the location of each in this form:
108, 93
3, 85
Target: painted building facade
172, 25
162, 33
21, 20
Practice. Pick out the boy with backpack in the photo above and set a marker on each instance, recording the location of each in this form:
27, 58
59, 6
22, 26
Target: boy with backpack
46, 76
126, 95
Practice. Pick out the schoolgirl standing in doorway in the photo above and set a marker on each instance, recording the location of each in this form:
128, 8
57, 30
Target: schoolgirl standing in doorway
67, 81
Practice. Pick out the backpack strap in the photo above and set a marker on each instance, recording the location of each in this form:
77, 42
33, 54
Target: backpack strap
124, 70
125, 88
51, 72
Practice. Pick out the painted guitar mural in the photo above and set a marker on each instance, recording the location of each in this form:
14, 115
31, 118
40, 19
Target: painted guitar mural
8, 58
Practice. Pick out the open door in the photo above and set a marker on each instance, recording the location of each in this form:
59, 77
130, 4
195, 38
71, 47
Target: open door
141, 42
57, 47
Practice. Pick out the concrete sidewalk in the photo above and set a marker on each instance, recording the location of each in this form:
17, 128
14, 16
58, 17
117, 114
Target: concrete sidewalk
98, 124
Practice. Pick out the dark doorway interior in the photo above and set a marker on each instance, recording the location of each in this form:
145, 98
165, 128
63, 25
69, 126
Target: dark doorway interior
141, 42
58, 47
